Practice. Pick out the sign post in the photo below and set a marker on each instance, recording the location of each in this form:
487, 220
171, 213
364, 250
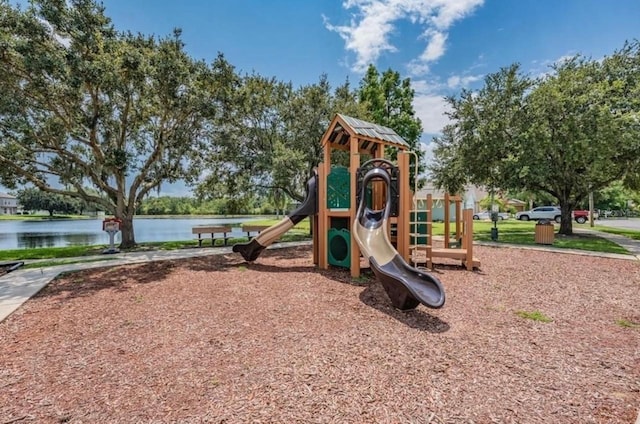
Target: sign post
111, 226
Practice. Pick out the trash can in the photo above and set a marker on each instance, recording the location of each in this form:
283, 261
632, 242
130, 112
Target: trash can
544, 232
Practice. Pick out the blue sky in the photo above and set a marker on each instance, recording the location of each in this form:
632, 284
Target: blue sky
442, 45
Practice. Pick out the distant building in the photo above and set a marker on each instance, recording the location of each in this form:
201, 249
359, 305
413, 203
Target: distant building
8, 204
519, 205
470, 198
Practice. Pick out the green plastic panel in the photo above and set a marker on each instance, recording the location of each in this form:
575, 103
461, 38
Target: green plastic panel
420, 217
338, 188
339, 247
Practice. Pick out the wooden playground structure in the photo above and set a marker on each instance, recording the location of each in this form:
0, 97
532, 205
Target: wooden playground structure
410, 224
459, 247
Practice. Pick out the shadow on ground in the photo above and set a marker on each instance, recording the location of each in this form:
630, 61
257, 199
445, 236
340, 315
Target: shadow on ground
420, 318
120, 278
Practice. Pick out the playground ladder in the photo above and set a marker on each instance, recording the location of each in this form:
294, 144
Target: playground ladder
421, 253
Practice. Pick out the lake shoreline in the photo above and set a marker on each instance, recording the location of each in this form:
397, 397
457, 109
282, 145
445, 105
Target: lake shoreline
39, 233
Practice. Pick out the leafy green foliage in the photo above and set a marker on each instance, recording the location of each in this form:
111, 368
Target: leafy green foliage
576, 130
388, 101
83, 103
35, 200
617, 197
267, 141
32, 199
481, 145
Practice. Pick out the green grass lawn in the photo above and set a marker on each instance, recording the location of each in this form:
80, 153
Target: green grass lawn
41, 217
299, 232
50, 252
302, 226
620, 231
523, 232
509, 232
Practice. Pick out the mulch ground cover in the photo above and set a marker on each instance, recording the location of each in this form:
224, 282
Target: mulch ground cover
533, 337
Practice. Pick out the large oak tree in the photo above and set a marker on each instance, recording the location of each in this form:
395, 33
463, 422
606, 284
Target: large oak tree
85, 104
266, 138
574, 131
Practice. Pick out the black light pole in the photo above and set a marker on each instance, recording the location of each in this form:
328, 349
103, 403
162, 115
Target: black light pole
494, 218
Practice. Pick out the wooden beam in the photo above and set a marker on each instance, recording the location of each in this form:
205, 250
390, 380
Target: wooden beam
429, 231
404, 208
458, 218
447, 217
468, 229
379, 194
354, 164
322, 236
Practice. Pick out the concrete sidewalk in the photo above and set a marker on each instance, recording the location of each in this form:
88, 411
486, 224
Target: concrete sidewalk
631, 245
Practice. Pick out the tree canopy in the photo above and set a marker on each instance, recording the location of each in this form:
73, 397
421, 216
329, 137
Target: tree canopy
388, 101
92, 113
83, 103
267, 139
573, 131
32, 199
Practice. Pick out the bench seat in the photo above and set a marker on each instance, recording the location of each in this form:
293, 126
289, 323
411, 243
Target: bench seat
212, 232
254, 229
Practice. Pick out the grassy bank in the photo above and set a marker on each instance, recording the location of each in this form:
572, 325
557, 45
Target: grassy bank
42, 217
635, 235
523, 233
299, 232
510, 232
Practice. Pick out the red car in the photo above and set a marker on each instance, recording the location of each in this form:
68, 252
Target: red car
582, 216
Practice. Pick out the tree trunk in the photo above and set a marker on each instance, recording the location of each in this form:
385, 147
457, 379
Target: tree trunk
126, 230
566, 223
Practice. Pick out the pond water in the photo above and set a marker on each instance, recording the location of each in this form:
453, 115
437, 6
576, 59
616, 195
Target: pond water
86, 232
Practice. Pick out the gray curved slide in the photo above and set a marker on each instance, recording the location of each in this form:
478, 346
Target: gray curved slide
405, 285
251, 250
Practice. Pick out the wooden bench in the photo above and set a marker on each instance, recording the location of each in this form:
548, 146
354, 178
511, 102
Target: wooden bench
254, 229
209, 232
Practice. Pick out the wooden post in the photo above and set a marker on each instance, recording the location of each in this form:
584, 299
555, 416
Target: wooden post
314, 233
458, 218
321, 236
467, 238
447, 217
404, 208
429, 231
354, 164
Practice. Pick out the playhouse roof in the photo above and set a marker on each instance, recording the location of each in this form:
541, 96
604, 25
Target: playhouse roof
370, 135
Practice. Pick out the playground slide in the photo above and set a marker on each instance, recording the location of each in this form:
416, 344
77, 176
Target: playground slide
251, 250
405, 285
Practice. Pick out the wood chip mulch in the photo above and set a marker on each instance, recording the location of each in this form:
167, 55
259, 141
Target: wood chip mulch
218, 340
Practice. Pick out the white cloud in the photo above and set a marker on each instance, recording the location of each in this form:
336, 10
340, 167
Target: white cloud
415, 67
367, 35
544, 68
431, 109
428, 157
436, 47
457, 81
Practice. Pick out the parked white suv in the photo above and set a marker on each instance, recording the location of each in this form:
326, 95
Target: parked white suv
542, 212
